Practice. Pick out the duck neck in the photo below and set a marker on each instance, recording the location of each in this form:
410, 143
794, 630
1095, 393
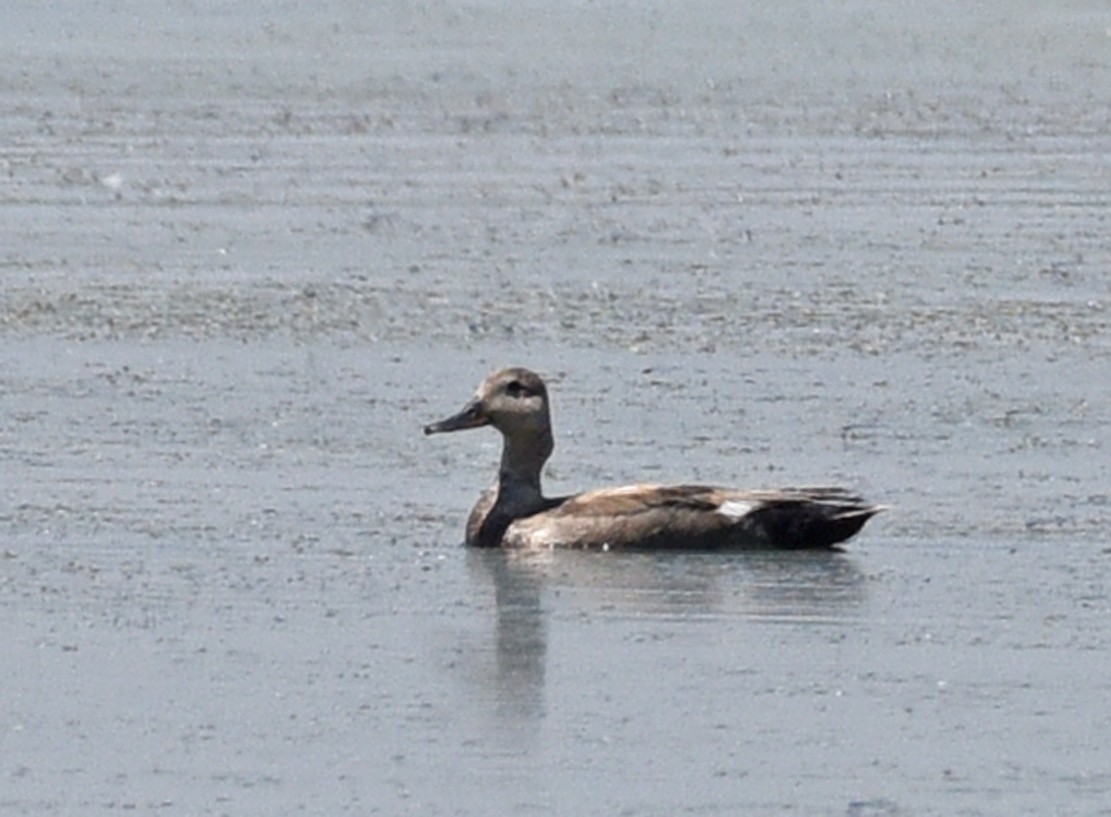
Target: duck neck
522, 460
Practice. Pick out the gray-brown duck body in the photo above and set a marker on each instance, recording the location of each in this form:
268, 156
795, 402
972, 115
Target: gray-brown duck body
514, 513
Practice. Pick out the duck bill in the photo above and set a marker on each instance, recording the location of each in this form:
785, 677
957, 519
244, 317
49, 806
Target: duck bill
472, 416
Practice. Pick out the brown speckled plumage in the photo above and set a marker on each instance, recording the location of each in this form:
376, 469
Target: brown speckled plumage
514, 513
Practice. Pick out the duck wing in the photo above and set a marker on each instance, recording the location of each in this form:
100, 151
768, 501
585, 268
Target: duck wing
694, 517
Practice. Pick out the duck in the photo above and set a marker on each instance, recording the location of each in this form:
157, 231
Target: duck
514, 513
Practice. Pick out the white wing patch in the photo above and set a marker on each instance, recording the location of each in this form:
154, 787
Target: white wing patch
734, 508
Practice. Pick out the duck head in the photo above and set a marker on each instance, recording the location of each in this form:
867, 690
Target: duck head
514, 401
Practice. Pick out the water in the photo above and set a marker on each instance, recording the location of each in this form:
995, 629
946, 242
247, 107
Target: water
904, 677
248, 256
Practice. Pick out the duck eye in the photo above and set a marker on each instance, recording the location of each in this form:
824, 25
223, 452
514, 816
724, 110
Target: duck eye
515, 388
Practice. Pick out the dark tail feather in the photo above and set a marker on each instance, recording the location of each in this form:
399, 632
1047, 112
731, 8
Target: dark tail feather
797, 524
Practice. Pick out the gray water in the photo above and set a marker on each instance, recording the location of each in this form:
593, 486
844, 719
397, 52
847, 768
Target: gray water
248, 254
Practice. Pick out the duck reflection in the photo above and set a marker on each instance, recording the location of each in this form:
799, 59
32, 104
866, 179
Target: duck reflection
533, 589
520, 632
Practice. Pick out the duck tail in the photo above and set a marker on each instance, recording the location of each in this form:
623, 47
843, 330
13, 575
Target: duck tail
816, 522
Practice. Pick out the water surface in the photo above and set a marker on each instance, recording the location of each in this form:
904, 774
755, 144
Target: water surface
248, 254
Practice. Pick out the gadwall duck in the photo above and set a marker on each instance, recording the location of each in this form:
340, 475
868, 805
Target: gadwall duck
514, 513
